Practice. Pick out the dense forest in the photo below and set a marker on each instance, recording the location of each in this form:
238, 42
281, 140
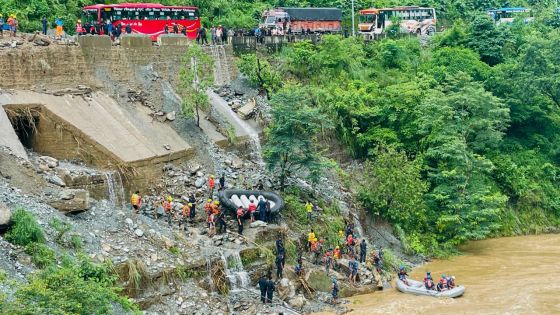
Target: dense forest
459, 135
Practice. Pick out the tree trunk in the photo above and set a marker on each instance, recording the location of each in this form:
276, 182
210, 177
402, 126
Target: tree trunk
197, 117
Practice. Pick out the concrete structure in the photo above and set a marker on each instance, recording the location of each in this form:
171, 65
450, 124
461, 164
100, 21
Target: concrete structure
8, 136
99, 132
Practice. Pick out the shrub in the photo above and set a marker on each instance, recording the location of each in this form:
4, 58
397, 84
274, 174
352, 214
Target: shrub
60, 227
41, 255
76, 242
25, 229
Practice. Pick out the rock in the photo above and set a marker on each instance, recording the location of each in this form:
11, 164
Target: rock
170, 116
194, 169
43, 167
167, 147
106, 247
50, 161
139, 232
258, 223
128, 221
5, 217
319, 281
199, 174
79, 201
237, 163
56, 180
199, 182
247, 110
297, 302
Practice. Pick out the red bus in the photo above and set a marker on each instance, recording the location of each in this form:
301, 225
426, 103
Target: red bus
145, 18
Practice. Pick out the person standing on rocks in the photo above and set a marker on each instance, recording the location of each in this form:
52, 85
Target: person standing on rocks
44, 22
211, 185
353, 265
136, 201
262, 286
363, 251
309, 209
240, 220
222, 227
328, 260
192, 201
168, 209
186, 215
279, 266
269, 290
59, 27
261, 207
268, 212
334, 290
222, 182
252, 209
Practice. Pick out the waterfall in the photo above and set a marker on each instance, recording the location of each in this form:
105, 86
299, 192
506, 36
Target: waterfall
209, 271
237, 276
221, 66
115, 188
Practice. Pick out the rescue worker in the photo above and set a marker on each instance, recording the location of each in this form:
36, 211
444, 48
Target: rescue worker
328, 260
222, 182
168, 209
186, 211
208, 208
192, 201
353, 265
336, 253
402, 274
334, 290
262, 286
128, 29
309, 209
269, 290
451, 282
363, 251
310, 239
261, 207
136, 201
252, 208
340, 238
268, 212
429, 282
444, 281
221, 223
44, 23
440, 286
240, 220
279, 266
318, 251
350, 243
59, 27
211, 224
211, 185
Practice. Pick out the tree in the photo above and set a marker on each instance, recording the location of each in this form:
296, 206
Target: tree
260, 73
195, 77
290, 145
461, 122
393, 188
486, 39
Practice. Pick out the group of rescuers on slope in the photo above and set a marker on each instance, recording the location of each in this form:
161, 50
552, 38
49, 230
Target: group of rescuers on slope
215, 216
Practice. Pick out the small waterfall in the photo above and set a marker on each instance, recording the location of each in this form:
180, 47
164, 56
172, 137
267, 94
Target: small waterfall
221, 66
209, 271
115, 188
237, 276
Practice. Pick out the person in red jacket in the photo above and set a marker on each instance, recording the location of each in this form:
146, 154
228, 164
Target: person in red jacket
211, 185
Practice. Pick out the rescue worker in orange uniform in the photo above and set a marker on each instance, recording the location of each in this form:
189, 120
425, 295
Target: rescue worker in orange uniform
136, 201
211, 185
168, 208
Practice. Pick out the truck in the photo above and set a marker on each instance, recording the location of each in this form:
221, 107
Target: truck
302, 20
410, 19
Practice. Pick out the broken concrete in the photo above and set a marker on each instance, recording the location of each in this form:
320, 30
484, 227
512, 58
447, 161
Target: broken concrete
71, 200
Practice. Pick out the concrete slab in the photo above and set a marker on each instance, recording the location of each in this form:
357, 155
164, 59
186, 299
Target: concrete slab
128, 136
8, 136
243, 130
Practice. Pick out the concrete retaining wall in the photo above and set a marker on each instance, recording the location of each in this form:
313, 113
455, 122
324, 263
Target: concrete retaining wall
135, 41
173, 40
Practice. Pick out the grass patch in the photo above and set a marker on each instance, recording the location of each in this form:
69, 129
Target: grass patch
76, 242
174, 250
41, 255
60, 227
25, 229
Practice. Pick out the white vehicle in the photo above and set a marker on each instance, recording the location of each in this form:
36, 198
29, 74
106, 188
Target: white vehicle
508, 15
412, 19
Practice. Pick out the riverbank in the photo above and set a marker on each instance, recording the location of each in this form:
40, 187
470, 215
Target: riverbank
509, 275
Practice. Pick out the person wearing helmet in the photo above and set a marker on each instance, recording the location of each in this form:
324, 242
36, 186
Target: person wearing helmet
440, 286
402, 274
451, 282
192, 201
240, 220
336, 253
429, 282
168, 209
136, 201
79, 28
186, 213
208, 208
328, 260
444, 280
211, 185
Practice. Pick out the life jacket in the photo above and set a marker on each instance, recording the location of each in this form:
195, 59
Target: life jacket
252, 207
186, 211
80, 29
239, 212
309, 207
10, 21
336, 253
311, 237
350, 240
134, 199
208, 207
211, 183
313, 246
215, 210
167, 206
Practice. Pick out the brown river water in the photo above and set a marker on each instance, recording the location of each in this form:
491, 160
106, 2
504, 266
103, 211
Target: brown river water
511, 275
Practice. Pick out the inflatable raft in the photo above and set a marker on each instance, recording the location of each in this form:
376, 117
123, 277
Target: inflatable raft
233, 199
418, 288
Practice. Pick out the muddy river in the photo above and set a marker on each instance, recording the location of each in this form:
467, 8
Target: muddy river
514, 275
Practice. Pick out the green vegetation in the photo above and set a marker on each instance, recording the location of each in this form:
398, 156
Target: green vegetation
195, 77
459, 137
25, 229
41, 255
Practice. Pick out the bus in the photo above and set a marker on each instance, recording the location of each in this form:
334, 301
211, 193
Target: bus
412, 19
507, 15
144, 18
300, 20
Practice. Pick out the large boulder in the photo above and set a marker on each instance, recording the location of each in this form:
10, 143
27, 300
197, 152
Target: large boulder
319, 281
71, 200
5, 217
